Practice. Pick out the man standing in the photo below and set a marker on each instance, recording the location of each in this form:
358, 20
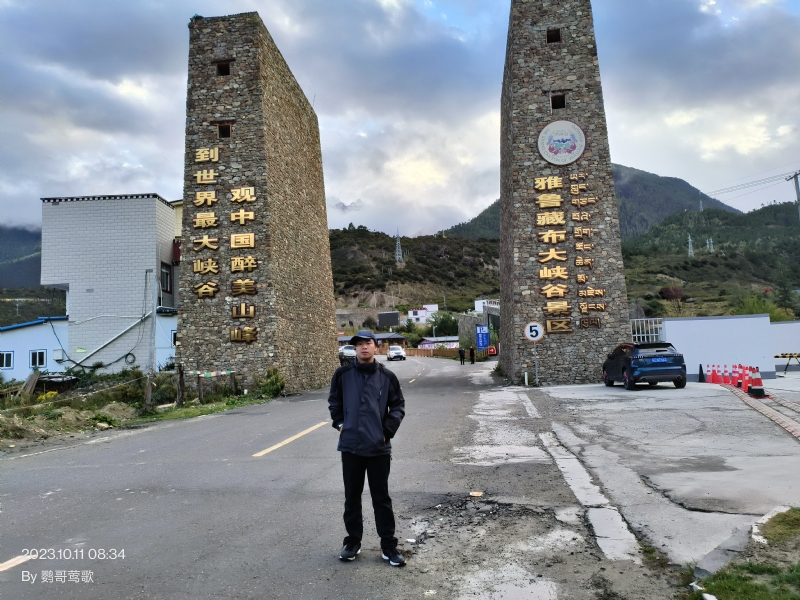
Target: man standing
472, 354
461, 354
367, 406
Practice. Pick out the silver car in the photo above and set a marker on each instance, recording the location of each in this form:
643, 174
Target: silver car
396, 353
347, 354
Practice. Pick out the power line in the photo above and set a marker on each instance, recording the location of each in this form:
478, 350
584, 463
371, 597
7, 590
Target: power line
754, 191
760, 172
742, 186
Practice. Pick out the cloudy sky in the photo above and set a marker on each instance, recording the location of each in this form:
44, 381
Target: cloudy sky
92, 97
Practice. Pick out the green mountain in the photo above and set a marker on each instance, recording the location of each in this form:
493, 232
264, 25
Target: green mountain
20, 257
486, 225
434, 267
644, 199
753, 252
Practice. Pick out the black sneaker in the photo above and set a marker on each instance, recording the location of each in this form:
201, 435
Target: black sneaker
394, 557
350, 551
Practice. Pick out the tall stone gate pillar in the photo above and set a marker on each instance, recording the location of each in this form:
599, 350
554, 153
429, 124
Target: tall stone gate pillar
560, 257
256, 287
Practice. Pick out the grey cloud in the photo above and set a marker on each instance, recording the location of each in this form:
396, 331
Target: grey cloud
670, 52
346, 208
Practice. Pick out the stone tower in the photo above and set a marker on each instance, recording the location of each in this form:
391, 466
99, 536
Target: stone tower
256, 286
560, 256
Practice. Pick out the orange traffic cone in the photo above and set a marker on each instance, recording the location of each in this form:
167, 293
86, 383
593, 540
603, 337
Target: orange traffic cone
714, 374
726, 377
757, 387
735, 377
745, 379
708, 374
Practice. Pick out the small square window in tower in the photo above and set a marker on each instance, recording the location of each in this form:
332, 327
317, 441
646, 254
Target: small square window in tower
554, 35
223, 68
224, 131
558, 101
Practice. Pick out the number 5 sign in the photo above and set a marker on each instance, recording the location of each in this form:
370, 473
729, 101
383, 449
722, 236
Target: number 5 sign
534, 331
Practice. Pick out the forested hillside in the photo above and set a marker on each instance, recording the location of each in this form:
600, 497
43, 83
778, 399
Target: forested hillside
644, 199
756, 252
435, 269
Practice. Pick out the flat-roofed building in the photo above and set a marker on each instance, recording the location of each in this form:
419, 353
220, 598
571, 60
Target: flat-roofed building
103, 250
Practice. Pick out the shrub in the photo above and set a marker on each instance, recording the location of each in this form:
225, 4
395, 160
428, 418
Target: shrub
273, 385
104, 418
46, 397
164, 389
756, 305
671, 293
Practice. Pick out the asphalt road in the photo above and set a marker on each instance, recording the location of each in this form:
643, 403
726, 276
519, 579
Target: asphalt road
567, 476
199, 517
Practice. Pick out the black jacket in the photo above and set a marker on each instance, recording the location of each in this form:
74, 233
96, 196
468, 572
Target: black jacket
367, 401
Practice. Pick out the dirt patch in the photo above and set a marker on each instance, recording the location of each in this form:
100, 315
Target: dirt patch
53, 425
118, 411
481, 548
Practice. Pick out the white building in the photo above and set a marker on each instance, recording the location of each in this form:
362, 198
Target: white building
448, 341
105, 251
481, 305
32, 345
41, 345
421, 315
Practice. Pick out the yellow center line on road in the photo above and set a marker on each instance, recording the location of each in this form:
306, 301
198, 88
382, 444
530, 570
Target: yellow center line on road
289, 440
10, 564
413, 380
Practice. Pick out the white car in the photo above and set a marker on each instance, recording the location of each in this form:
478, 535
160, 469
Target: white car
347, 354
396, 353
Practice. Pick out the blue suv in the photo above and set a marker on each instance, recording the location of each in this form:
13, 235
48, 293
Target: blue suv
650, 363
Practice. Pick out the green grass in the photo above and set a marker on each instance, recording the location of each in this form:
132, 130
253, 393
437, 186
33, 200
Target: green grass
196, 410
753, 581
782, 526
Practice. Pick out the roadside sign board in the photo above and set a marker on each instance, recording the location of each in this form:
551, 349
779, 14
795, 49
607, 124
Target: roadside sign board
534, 332
482, 337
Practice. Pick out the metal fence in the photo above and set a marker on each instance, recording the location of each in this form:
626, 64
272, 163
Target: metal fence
647, 330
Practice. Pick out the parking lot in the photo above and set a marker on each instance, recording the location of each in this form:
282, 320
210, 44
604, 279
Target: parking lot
687, 468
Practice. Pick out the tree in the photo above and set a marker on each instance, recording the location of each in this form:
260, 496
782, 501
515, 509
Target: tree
444, 322
785, 296
756, 305
370, 323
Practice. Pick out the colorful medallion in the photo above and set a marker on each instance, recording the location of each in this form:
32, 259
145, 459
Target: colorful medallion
562, 142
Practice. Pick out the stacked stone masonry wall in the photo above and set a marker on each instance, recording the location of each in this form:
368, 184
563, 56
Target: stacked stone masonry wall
535, 70
274, 149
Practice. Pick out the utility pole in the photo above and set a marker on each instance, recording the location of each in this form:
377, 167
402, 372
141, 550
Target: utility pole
398, 251
796, 188
148, 395
691, 249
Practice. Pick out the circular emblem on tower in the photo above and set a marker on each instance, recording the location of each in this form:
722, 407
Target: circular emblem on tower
562, 142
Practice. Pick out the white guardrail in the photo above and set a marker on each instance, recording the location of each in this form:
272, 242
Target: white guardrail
647, 330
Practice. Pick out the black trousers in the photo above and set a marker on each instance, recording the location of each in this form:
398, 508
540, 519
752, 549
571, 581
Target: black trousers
377, 470
462, 360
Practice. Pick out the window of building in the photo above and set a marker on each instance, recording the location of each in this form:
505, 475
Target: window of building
166, 278
558, 101
174, 337
223, 68
554, 35
38, 359
6, 360
224, 131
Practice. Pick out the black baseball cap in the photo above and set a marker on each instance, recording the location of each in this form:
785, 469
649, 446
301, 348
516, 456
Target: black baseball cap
364, 334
